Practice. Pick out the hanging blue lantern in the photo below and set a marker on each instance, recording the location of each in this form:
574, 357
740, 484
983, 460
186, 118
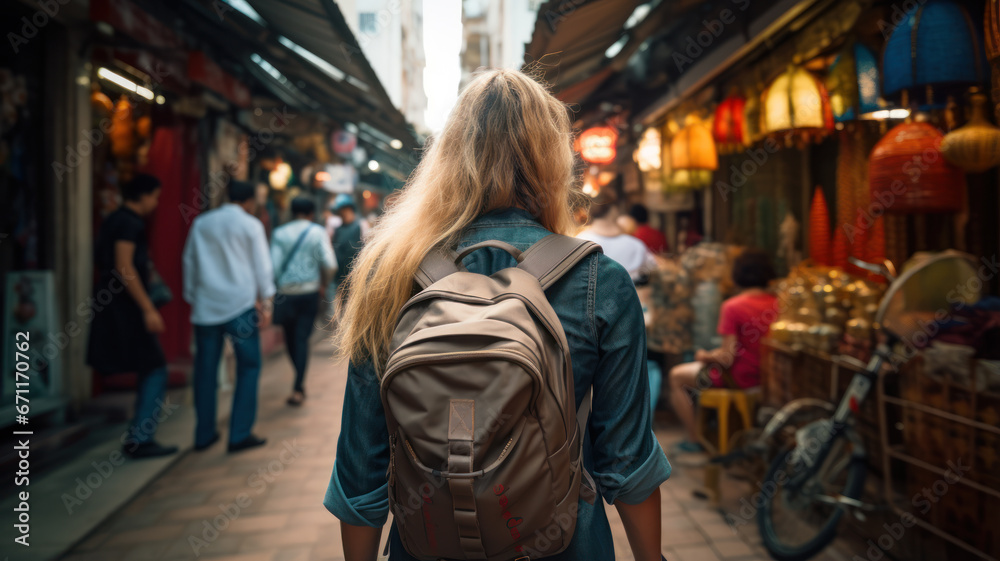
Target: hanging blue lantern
853, 83
936, 47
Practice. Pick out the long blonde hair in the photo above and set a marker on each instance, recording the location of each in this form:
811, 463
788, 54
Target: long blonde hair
507, 143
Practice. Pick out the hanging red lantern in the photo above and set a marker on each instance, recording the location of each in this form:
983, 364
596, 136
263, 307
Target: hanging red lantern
597, 145
728, 129
819, 229
908, 173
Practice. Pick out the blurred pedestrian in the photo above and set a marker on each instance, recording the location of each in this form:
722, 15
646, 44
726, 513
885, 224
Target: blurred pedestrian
304, 263
744, 320
347, 238
654, 239
500, 172
229, 282
124, 336
623, 248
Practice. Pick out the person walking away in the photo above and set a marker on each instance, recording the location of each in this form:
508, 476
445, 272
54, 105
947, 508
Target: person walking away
623, 248
304, 263
744, 320
347, 238
124, 336
229, 282
501, 172
654, 239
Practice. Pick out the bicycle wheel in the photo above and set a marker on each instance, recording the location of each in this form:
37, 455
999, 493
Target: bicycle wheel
799, 517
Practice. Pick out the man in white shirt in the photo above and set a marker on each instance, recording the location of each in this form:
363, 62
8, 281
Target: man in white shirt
303, 262
604, 230
229, 282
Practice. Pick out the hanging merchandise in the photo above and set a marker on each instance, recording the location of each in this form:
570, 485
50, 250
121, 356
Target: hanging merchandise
692, 157
853, 83
647, 153
728, 128
797, 101
122, 130
597, 145
934, 51
975, 147
693, 148
819, 229
907, 173
100, 102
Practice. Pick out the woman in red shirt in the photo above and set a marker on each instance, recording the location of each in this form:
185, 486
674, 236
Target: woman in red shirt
744, 320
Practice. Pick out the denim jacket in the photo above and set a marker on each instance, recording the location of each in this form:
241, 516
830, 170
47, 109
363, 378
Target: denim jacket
601, 315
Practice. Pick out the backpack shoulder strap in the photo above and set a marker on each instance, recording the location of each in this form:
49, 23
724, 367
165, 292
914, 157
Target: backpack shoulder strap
437, 265
552, 256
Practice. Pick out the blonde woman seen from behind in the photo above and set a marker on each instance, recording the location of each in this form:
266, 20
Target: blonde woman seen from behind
501, 169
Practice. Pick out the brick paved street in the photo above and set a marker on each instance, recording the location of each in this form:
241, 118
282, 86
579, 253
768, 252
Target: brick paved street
268, 501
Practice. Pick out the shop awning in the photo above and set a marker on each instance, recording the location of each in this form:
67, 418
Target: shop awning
303, 53
317, 28
571, 38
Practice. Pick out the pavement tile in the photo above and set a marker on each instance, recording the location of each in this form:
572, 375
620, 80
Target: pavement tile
694, 553
732, 549
152, 533
259, 523
283, 538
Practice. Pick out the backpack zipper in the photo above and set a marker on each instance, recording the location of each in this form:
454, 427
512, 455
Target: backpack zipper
513, 356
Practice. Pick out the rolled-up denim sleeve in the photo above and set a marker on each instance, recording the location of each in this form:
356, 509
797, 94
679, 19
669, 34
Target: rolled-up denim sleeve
358, 492
628, 462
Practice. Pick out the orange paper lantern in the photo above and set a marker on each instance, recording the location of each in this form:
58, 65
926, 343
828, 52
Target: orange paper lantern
693, 148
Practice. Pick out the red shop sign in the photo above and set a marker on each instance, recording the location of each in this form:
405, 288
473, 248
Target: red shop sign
597, 145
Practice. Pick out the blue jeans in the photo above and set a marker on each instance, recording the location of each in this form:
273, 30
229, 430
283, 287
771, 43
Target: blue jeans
245, 336
148, 395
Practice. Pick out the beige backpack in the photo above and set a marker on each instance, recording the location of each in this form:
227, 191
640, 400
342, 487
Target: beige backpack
485, 442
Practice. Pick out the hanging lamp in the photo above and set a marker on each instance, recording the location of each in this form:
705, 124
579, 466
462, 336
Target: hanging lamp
853, 83
797, 101
936, 50
974, 147
693, 148
908, 174
728, 128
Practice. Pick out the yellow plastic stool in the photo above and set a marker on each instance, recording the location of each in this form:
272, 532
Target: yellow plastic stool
722, 400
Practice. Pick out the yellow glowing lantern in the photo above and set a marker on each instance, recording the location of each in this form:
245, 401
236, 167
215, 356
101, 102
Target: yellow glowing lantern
796, 100
693, 148
647, 154
280, 176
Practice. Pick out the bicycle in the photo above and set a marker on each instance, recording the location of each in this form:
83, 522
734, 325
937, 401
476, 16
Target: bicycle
820, 474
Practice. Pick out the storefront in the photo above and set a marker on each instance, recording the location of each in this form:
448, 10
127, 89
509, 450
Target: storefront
823, 132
